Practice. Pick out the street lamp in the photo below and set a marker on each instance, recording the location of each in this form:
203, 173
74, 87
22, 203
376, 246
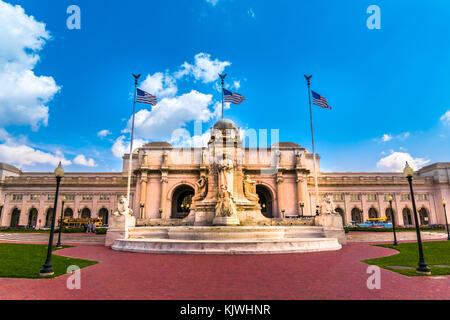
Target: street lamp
446, 221
393, 220
47, 268
58, 245
422, 266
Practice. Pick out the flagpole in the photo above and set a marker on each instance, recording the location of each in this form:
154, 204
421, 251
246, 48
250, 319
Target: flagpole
136, 77
222, 77
316, 187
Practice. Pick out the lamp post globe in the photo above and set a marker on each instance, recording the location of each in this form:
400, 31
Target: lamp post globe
422, 266
47, 268
446, 221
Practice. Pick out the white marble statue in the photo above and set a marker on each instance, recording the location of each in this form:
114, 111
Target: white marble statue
122, 208
327, 205
226, 176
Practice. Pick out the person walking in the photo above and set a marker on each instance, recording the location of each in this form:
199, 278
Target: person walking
93, 227
88, 227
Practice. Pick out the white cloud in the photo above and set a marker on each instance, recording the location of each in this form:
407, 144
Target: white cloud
82, 161
395, 162
23, 95
251, 13
203, 69
171, 114
20, 155
182, 138
120, 146
213, 2
237, 84
445, 119
103, 133
160, 84
386, 137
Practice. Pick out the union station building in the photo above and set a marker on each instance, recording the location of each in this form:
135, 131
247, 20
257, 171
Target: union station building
165, 179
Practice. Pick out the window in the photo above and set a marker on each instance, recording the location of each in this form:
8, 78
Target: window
338, 197
17, 197
70, 197
34, 197
355, 197
372, 197
422, 197
51, 197
86, 197
104, 197
406, 197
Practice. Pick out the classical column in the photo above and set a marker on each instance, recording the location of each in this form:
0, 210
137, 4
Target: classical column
162, 206
398, 209
143, 197
280, 194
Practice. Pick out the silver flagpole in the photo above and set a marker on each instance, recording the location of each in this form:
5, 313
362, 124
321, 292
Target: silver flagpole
136, 77
308, 80
222, 77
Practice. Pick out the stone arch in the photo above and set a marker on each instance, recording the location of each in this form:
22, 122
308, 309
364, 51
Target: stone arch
265, 200
341, 213
407, 216
424, 216
103, 213
181, 200
32, 218
85, 213
15, 217
357, 215
48, 217
373, 213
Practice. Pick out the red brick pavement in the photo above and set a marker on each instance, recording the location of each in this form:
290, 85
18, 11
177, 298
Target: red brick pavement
323, 275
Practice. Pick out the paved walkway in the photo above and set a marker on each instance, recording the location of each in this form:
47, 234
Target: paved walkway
323, 275
66, 238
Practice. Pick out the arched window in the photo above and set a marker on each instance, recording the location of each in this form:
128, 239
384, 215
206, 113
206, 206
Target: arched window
15, 217
423, 214
388, 214
32, 218
181, 201
103, 213
48, 218
265, 200
85, 213
356, 215
373, 213
407, 218
341, 212
68, 213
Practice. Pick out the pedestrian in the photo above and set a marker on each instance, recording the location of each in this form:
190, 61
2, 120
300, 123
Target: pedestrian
88, 227
93, 227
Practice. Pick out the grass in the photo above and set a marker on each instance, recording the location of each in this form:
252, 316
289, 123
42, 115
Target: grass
26, 260
435, 253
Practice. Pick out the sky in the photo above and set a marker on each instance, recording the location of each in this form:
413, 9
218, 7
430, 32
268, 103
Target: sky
66, 94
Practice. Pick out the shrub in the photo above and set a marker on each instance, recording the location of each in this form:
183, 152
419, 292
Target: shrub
101, 230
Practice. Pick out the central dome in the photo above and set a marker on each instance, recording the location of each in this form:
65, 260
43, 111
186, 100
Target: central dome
224, 124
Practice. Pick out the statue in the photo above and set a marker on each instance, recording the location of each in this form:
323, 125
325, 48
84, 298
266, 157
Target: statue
226, 176
327, 205
225, 206
202, 188
250, 189
122, 208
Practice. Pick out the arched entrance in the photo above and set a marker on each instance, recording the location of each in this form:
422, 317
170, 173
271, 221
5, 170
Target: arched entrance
423, 214
32, 218
48, 218
68, 213
85, 213
356, 215
373, 213
407, 218
388, 214
15, 216
265, 200
181, 201
103, 213
341, 212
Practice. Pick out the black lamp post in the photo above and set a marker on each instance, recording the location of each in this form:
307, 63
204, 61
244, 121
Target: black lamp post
47, 268
422, 266
446, 221
393, 220
58, 245
302, 205
1, 209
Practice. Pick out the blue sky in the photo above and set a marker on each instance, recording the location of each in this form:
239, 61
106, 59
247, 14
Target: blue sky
388, 88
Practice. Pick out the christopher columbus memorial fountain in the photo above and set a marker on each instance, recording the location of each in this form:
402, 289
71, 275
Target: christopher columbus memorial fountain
224, 213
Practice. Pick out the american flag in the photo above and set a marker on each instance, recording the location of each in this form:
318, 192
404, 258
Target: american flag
232, 97
145, 97
320, 101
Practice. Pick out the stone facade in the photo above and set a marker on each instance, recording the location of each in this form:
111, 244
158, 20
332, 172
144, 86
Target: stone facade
167, 178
